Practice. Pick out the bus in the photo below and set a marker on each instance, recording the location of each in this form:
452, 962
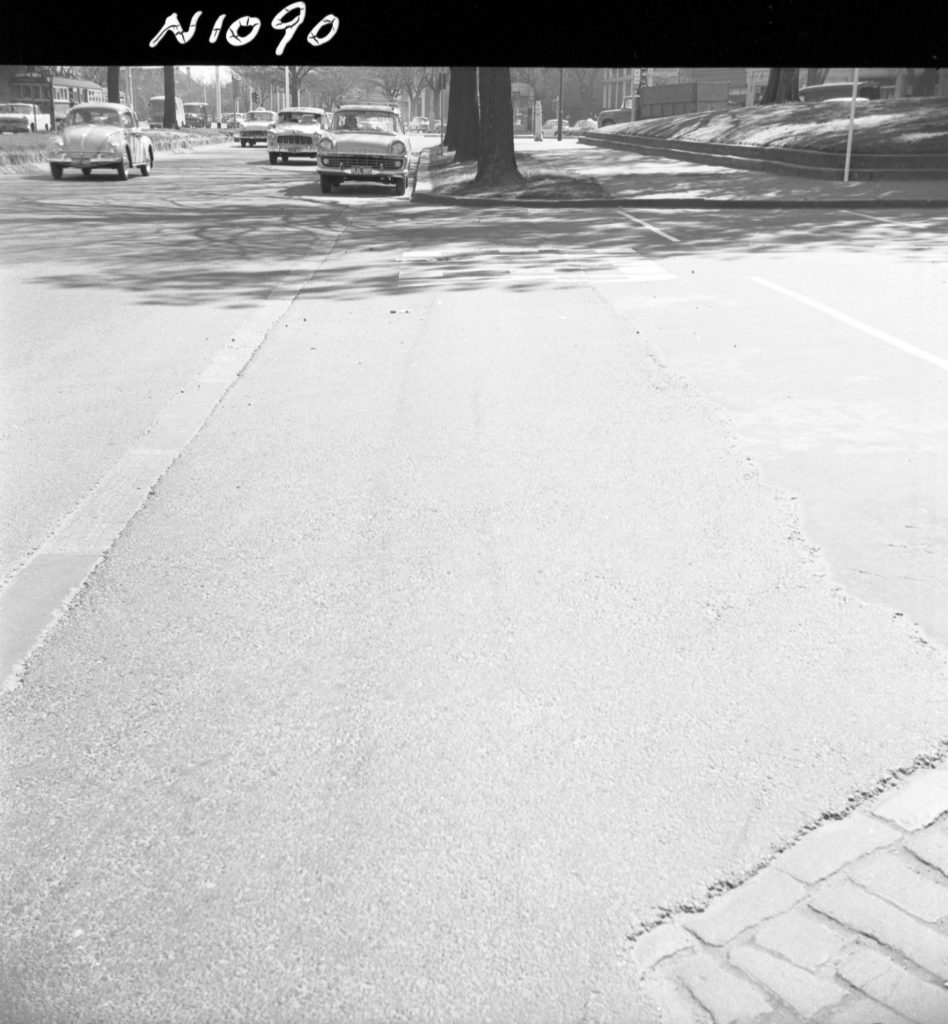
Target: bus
156, 112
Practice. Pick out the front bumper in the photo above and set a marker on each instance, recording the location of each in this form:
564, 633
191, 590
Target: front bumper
292, 146
252, 136
388, 169
86, 160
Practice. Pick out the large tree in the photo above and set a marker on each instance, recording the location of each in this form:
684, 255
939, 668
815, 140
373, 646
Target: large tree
333, 84
414, 80
390, 81
462, 134
783, 86
171, 118
496, 162
112, 89
297, 76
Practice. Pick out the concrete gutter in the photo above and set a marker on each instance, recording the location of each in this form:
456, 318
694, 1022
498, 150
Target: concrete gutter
424, 194
25, 161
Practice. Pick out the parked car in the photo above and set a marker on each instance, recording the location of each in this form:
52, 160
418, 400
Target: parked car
197, 115
584, 124
296, 132
365, 143
551, 127
23, 117
418, 124
99, 136
256, 124
233, 121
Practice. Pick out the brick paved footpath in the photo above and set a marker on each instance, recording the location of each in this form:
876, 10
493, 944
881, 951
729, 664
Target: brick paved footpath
848, 926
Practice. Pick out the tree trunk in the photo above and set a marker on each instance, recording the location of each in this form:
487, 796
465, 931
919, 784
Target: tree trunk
462, 133
171, 119
112, 84
496, 163
783, 86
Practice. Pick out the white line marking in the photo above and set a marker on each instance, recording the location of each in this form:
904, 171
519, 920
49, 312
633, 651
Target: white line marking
882, 220
658, 231
889, 339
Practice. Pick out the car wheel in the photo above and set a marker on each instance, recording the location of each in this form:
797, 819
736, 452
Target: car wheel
325, 183
122, 168
400, 187
86, 171
273, 158
243, 142
147, 166
285, 159
56, 170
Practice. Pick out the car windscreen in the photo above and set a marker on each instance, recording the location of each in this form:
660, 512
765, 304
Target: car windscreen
365, 121
93, 115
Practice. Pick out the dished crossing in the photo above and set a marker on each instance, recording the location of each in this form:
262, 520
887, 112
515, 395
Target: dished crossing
519, 262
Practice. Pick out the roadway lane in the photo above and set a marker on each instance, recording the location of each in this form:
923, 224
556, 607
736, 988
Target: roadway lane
462, 640
115, 295
822, 336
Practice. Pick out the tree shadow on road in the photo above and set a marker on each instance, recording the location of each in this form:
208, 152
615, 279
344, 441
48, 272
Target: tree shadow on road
355, 242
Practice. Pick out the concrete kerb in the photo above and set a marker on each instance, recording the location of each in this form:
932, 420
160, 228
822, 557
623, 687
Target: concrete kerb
423, 193
782, 160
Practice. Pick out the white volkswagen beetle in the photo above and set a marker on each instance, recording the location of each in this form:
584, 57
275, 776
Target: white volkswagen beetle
365, 143
101, 135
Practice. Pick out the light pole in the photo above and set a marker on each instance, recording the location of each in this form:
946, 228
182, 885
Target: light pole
559, 111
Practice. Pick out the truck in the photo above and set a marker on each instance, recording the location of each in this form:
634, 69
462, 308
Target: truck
156, 112
23, 117
617, 115
197, 115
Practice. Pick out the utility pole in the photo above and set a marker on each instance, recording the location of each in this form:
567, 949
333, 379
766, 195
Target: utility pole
217, 90
852, 119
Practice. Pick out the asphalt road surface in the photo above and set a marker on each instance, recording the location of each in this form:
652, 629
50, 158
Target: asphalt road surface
496, 601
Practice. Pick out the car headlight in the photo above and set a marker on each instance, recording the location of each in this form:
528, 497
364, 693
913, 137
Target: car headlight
56, 145
325, 145
397, 149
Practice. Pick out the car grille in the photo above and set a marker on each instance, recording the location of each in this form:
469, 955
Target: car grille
294, 140
379, 163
